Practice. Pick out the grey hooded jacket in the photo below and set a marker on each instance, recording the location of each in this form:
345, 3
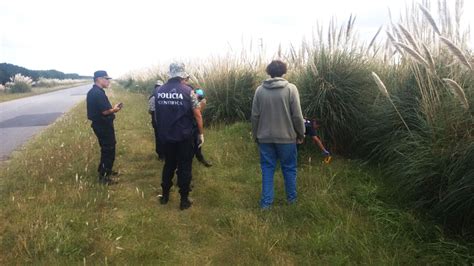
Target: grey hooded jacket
276, 112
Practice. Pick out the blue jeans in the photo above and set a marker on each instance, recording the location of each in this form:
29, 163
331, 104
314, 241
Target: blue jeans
287, 154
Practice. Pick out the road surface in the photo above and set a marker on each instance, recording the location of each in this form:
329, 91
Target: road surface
21, 119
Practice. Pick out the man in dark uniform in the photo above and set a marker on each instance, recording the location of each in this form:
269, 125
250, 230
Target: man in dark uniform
176, 107
102, 115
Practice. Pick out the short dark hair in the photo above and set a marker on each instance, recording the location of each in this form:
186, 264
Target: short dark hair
276, 68
176, 79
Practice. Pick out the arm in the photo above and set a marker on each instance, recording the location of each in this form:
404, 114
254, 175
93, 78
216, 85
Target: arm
296, 114
197, 112
202, 104
115, 109
151, 104
318, 142
198, 117
255, 117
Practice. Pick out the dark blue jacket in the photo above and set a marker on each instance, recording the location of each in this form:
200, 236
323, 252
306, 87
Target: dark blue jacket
174, 112
97, 102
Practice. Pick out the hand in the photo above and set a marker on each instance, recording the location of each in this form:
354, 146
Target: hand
299, 141
200, 140
118, 107
203, 101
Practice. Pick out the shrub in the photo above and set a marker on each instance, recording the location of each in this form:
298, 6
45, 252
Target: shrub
19, 84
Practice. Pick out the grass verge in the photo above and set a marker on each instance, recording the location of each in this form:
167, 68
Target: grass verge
53, 211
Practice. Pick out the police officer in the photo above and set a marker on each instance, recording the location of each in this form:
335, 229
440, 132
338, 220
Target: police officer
151, 111
176, 107
102, 115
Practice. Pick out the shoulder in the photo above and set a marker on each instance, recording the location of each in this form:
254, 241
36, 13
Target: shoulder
186, 88
93, 92
292, 86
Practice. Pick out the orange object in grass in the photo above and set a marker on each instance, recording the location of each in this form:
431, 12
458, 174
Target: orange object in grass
327, 159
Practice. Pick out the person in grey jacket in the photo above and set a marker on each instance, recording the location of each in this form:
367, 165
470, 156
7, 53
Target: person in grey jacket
277, 126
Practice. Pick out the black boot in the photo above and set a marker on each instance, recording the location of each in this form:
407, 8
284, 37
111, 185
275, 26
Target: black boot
185, 203
165, 197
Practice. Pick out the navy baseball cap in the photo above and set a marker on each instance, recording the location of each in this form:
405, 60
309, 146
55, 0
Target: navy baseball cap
101, 74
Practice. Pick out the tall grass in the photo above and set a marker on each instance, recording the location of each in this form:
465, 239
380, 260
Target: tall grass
19, 84
431, 166
419, 129
230, 86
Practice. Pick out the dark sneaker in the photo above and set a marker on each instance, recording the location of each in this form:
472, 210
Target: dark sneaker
164, 199
185, 204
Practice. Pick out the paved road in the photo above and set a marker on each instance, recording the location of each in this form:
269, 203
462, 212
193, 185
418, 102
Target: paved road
21, 119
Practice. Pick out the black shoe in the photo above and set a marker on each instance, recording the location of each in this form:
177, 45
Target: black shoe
204, 162
164, 198
185, 204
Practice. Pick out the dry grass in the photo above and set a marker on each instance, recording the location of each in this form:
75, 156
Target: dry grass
458, 92
414, 54
456, 51
380, 85
409, 37
430, 19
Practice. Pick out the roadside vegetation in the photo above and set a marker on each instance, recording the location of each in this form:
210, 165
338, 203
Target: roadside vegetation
53, 211
397, 113
401, 103
21, 86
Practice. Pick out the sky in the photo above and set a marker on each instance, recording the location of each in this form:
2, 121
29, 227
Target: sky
81, 36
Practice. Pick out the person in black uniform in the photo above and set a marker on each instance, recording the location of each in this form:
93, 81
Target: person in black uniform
151, 111
176, 107
102, 115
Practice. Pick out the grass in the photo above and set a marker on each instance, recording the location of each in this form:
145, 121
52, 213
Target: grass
54, 212
4, 96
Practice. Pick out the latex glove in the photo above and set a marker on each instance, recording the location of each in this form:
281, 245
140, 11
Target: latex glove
326, 153
200, 140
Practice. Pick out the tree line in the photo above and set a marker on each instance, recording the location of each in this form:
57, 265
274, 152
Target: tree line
9, 70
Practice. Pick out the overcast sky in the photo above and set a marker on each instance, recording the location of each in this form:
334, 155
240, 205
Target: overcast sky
123, 35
